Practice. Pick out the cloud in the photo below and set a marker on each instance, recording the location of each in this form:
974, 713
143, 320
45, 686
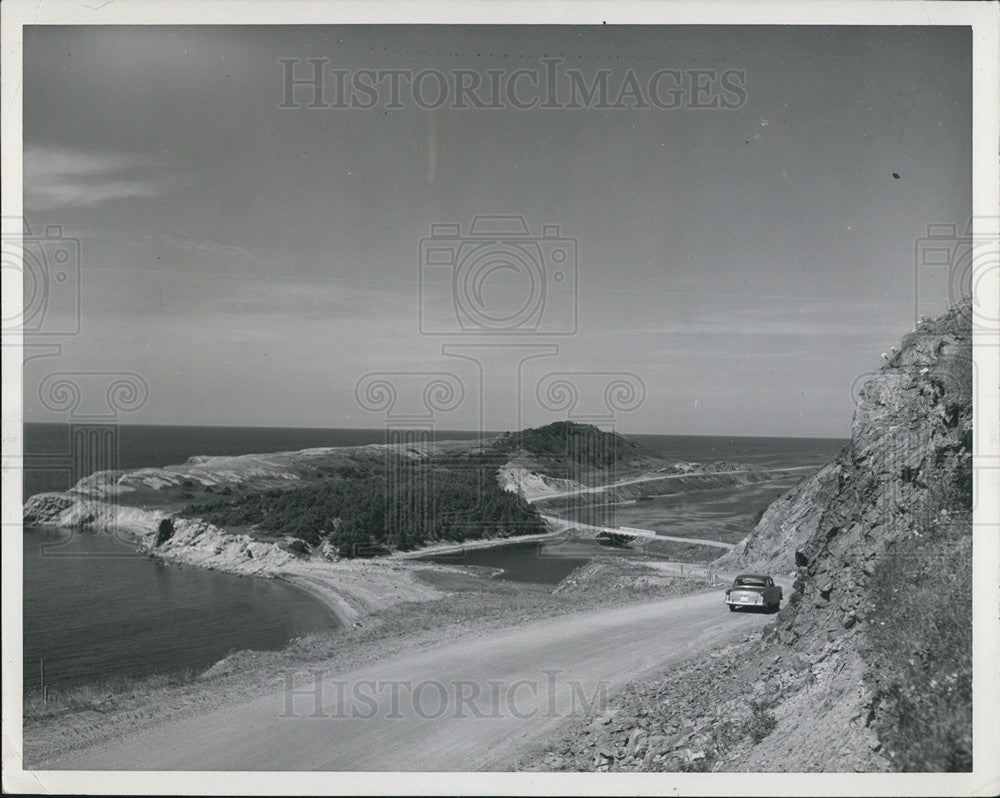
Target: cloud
56, 177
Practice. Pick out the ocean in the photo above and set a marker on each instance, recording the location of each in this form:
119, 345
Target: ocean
764, 452
94, 609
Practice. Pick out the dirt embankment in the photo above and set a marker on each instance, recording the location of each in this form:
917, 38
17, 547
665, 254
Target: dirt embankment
720, 712
865, 667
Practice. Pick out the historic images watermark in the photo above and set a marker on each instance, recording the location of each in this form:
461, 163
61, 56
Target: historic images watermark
315, 694
547, 85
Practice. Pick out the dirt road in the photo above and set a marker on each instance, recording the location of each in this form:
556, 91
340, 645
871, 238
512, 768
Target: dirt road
658, 478
650, 534
472, 704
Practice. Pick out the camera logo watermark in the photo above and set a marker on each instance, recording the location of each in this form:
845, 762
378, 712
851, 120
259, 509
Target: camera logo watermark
499, 278
951, 262
313, 84
48, 264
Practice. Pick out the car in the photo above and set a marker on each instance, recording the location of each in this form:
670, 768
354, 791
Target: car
753, 591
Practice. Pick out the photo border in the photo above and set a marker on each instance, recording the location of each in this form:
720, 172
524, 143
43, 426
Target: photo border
981, 17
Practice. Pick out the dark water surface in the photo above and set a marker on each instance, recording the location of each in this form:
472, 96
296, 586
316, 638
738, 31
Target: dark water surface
96, 608
764, 452
521, 562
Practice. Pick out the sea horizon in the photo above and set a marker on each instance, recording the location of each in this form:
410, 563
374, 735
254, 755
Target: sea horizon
495, 432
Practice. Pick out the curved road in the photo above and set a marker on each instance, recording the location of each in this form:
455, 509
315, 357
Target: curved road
650, 534
472, 704
659, 478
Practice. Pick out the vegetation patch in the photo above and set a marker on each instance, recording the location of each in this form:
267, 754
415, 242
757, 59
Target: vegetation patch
567, 449
164, 532
919, 653
371, 508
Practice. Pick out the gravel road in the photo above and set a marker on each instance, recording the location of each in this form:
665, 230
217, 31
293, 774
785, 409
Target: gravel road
476, 703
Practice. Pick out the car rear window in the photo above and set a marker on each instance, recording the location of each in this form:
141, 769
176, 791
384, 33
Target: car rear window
748, 582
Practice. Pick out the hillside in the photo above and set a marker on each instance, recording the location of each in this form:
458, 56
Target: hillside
886, 576
568, 450
868, 664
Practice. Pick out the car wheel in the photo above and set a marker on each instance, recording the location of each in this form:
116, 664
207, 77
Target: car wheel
733, 608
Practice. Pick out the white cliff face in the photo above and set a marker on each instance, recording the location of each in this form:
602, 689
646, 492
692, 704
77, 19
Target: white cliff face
198, 542
531, 486
75, 510
194, 541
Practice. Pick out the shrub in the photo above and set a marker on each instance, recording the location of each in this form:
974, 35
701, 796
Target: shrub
569, 448
298, 546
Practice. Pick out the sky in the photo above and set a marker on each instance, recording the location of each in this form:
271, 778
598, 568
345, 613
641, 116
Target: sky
738, 269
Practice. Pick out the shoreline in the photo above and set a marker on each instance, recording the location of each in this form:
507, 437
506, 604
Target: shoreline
112, 708
334, 585
335, 607
435, 549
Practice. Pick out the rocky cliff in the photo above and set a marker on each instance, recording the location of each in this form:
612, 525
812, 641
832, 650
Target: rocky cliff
868, 664
911, 434
883, 580
785, 525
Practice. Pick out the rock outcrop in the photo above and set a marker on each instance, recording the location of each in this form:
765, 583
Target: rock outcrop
912, 428
883, 582
532, 486
785, 525
907, 473
868, 665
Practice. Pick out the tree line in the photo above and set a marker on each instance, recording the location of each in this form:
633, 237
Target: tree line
399, 504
